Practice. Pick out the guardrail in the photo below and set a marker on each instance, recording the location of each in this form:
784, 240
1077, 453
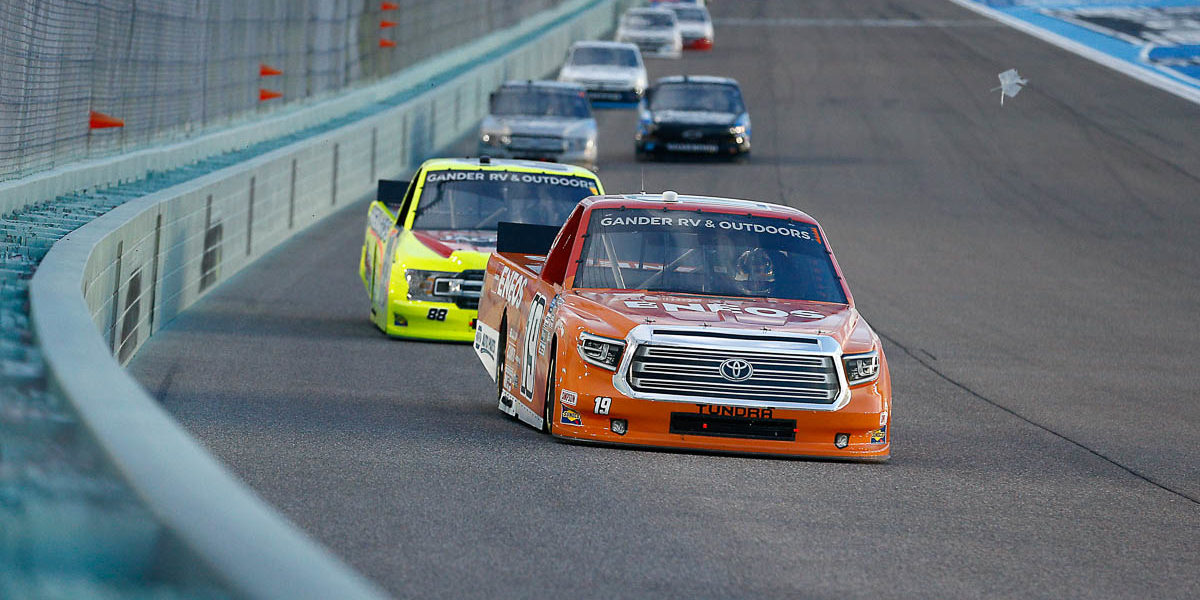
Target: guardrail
130, 271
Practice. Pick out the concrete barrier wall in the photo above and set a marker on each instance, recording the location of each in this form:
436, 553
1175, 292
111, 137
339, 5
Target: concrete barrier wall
104, 289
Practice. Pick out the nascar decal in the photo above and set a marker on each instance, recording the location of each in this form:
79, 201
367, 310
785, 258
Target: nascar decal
716, 307
568, 398
571, 416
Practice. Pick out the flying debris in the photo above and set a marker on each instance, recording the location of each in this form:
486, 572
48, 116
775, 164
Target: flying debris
1010, 84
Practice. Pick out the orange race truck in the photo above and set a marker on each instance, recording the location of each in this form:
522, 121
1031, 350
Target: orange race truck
684, 322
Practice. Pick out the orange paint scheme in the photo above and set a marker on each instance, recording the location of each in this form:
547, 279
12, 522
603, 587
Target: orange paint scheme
533, 316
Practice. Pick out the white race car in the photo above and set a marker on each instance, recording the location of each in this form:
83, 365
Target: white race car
612, 72
655, 31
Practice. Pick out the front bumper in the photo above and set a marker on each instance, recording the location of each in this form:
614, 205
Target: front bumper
726, 144
713, 426
442, 321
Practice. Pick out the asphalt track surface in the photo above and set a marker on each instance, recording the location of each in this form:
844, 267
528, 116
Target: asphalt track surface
1032, 268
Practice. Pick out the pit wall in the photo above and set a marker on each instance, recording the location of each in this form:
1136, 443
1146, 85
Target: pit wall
104, 289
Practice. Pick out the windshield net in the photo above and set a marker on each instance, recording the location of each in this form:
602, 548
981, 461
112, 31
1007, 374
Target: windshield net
707, 253
540, 103
616, 57
714, 97
480, 199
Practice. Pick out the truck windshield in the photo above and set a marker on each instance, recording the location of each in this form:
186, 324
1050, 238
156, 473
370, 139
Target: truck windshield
480, 199
715, 97
533, 102
707, 253
598, 55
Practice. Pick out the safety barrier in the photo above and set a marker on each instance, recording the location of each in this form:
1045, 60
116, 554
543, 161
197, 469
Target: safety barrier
103, 289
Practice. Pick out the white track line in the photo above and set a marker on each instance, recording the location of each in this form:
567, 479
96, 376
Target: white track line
1157, 80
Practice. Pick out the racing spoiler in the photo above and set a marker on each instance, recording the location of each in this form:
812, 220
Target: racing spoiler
523, 238
391, 193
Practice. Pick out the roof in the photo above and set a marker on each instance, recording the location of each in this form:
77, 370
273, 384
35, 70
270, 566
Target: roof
697, 79
693, 202
653, 10
505, 164
544, 84
604, 44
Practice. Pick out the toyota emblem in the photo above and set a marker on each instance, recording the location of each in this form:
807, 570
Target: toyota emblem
736, 369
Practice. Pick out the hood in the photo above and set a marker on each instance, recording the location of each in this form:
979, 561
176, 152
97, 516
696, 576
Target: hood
605, 73
529, 125
694, 117
690, 28
448, 241
755, 314
650, 33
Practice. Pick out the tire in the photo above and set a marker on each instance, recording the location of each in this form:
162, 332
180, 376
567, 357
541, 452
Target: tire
548, 405
500, 364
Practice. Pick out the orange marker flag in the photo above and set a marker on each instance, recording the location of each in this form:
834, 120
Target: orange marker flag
386, 24
387, 44
389, 6
265, 70
264, 94
102, 121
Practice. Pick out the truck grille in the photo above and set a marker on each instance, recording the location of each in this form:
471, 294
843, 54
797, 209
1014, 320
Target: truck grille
536, 143
696, 371
472, 289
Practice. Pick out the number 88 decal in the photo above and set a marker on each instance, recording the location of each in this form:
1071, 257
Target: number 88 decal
533, 331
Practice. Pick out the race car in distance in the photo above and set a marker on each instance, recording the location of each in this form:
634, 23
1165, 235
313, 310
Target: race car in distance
612, 72
655, 31
695, 25
683, 322
540, 120
427, 241
689, 114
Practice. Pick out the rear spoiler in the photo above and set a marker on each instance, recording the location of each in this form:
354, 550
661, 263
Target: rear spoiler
391, 193
522, 238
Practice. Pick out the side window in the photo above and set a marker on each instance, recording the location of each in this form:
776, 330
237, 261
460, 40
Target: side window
408, 198
555, 269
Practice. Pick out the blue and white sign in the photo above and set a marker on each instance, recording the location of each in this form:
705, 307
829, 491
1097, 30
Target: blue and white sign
1157, 41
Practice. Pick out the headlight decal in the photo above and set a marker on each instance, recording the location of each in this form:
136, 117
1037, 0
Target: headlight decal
861, 368
600, 351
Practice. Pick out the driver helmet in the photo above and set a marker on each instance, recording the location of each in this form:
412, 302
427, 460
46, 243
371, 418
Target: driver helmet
754, 272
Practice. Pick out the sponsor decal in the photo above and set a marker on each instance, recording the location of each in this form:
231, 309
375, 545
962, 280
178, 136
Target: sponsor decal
879, 436
736, 369
548, 324
379, 221
571, 417
784, 228
484, 344
541, 179
440, 176
510, 285
748, 412
883, 417
716, 307
568, 398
